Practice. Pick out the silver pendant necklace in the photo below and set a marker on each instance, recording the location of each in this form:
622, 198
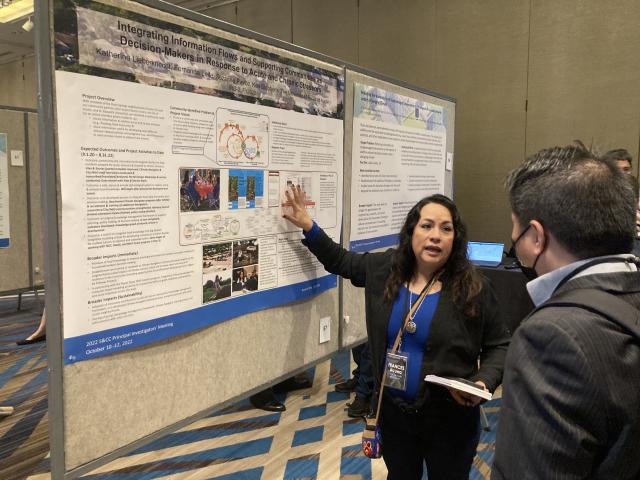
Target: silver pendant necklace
411, 325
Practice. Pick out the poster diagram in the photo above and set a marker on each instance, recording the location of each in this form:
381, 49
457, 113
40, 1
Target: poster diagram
242, 138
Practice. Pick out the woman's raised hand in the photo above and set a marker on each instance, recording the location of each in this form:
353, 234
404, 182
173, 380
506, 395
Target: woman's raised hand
298, 213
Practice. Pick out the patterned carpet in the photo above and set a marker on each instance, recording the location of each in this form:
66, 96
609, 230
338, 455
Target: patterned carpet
313, 439
24, 436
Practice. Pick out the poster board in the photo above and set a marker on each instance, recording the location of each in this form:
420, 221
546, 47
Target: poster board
399, 144
164, 182
20, 219
17, 207
5, 223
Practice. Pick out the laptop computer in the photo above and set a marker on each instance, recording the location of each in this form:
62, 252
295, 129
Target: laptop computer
485, 254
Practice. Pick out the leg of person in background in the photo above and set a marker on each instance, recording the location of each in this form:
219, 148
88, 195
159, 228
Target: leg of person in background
297, 382
40, 335
362, 405
266, 400
350, 385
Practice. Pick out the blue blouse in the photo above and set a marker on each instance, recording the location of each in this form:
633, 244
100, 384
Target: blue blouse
411, 343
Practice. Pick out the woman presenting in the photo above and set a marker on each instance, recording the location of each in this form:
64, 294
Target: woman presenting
455, 331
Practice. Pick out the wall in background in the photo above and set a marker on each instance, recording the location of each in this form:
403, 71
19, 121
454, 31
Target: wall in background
527, 74
18, 83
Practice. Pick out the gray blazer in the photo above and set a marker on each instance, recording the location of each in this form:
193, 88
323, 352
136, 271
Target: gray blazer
571, 402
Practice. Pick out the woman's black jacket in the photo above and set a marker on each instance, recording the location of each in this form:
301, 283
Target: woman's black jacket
456, 342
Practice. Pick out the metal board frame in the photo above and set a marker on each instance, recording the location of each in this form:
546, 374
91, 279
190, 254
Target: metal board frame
51, 208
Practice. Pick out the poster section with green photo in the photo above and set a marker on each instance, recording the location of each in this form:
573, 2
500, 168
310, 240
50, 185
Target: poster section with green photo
176, 144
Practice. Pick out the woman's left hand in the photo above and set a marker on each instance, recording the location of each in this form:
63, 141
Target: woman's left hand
466, 399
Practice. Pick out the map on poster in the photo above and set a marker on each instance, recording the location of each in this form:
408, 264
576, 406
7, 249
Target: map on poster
398, 157
176, 147
4, 193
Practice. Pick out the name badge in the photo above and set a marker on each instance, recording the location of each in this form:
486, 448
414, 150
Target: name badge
396, 371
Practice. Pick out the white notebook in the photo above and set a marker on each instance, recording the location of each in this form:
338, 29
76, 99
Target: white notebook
459, 384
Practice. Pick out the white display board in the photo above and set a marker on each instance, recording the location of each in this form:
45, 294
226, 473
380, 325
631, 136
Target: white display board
5, 235
399, 153
399, 148
176, 147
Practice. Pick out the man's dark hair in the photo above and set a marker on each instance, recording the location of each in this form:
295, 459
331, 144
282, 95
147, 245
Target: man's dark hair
618, 154
584, 200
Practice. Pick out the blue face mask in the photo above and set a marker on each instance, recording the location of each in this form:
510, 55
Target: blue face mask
529, 272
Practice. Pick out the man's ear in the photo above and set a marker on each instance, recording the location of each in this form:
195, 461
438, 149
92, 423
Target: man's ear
540, 239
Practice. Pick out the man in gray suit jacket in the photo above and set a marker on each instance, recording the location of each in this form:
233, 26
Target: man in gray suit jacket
571, 401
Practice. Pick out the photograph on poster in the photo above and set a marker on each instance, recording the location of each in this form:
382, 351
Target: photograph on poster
246, 189
199, 190
216, 271
245, 252
216, 286
154, 52
245, 279
216, 257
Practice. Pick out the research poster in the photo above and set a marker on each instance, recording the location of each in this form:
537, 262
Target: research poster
176, 146
398, 157
4, 193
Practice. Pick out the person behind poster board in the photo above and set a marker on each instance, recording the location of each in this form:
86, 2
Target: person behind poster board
39, 335
624, 161
455, 324
636, 189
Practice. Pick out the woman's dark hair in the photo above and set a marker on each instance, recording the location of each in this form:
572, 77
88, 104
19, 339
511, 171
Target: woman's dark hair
458, 272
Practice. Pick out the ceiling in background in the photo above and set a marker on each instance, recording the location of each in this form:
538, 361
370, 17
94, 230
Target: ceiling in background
16, 29
15, 42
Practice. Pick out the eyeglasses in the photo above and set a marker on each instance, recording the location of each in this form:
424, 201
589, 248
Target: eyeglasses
514, 242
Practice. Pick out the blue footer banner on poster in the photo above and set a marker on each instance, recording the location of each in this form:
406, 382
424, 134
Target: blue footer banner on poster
369, 244
4, 242
114, 340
